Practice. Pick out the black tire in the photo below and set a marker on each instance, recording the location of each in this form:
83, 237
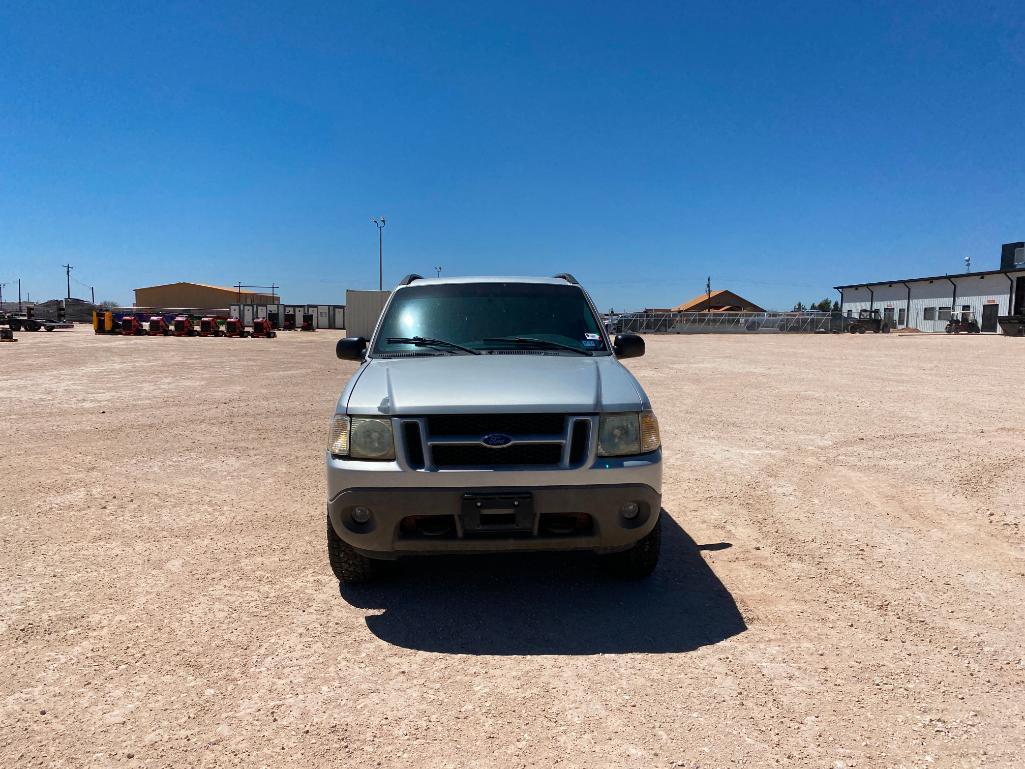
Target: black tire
640, 560
14, 325
349, 566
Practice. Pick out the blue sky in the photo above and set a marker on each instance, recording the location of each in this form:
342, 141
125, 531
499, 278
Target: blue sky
780, 148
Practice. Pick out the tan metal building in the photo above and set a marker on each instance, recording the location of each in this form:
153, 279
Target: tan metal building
718, 301
199, 295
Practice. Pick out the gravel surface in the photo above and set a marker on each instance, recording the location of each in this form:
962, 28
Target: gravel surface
841, 585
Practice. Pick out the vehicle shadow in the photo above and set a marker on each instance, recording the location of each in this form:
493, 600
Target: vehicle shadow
552, 603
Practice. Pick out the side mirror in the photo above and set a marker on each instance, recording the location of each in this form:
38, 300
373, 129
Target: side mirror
351, 348
628, 346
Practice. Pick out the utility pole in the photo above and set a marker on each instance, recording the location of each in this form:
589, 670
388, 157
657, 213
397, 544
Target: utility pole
708, 292
379, 221
2, 295
92, 295
67, 269
19, 294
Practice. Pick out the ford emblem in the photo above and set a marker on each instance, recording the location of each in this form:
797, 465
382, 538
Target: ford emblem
496, 440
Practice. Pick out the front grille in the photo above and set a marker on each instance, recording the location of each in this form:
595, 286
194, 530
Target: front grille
468, 455
482, 424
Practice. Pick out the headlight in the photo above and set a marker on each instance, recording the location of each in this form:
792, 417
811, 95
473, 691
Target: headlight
361, 437
371, 438
620, 435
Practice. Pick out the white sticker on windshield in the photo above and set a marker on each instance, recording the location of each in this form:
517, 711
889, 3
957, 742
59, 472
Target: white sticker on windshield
592, 336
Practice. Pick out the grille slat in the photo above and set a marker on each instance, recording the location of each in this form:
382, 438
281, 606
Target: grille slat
579, 442
482, 424
467, 455
414, 446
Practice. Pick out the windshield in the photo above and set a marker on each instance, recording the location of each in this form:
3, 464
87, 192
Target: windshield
490, 317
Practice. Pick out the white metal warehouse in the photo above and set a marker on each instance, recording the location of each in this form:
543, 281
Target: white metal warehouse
927, 303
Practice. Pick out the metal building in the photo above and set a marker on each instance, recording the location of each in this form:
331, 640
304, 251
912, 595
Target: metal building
363, 309
927, 304
185, 294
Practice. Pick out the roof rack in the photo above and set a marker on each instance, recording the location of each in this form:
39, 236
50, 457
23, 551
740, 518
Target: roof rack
410, 278
568, 278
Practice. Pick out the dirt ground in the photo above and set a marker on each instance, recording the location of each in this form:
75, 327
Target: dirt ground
842, 580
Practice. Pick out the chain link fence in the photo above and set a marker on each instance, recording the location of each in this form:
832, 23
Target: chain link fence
661, 322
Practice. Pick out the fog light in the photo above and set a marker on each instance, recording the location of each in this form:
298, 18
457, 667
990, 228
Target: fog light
361, 514
629, 510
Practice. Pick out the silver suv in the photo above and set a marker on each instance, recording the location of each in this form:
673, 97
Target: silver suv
491, 415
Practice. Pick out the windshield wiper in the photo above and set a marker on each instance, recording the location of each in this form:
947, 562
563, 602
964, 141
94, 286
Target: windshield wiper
538, 343
419, 341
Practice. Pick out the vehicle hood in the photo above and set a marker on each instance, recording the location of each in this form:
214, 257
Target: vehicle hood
493, 383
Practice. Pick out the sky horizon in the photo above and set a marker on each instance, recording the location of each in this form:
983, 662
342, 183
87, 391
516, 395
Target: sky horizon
780, 150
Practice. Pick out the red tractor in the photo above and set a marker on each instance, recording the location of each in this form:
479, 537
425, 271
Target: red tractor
183, 326
130, 326
234, 327
308, 322
158, 326
289, 321
210, 327
262, 329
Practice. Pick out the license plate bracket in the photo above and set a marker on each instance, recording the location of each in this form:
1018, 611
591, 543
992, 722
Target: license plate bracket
497, 512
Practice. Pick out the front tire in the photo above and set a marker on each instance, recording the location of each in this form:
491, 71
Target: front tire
640, 560
349, 566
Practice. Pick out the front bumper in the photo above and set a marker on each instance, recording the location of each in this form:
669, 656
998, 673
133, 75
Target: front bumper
382, 536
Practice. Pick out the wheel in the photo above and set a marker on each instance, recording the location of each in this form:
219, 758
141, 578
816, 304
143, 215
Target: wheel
349, 566
15, 325
861, 329
640, 560
48, 328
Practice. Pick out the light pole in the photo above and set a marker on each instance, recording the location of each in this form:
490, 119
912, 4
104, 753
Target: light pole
2, 296
379, 221
438, 270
